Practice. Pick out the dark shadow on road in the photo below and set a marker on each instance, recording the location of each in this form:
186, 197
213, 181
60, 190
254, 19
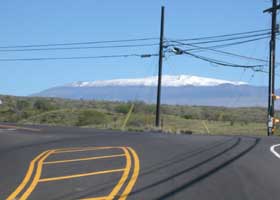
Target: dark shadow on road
204, 175
163, 164
189, 168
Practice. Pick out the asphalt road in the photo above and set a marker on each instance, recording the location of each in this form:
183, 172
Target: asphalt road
72, 163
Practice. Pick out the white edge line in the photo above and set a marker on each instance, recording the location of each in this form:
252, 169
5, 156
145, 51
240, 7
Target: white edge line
272, 149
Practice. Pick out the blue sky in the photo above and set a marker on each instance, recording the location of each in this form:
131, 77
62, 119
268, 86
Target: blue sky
52, 21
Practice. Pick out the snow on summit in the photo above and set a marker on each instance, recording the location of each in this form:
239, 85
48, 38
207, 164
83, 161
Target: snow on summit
167, 81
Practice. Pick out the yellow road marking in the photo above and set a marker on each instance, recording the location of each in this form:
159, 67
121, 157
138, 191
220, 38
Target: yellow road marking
206, 127
80, 175
19, 128
128, 116
84, 149
27, 177
134, 176
96, 198
36, 177
41, 158
124, 176
83, 159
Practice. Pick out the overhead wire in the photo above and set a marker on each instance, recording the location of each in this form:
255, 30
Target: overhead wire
228, 53
237, 99
57, 46
223, 63
77, 43
14, 49
241, 91
228, 39
236, 43
123, 40
75, 48
118, 46
77, 57
224, 45
224, 35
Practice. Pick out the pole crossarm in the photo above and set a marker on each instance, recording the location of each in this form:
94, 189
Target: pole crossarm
269, 10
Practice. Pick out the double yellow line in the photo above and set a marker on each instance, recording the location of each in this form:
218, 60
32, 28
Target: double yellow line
125, 175
19, 128
28, 175
23, 191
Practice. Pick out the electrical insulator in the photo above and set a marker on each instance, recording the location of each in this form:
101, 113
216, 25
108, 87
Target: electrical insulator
275, 97
276, 121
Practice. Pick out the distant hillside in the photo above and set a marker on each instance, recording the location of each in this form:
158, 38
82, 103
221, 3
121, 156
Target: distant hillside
222, 95
111, 115
180, 90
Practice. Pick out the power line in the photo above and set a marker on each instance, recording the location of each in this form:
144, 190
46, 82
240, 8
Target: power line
255, 68
77, 43
76, 48
236, 100
227, 53
225, 35
223, 63
77, 57
226, 39
121, 46
123, 40
231, 44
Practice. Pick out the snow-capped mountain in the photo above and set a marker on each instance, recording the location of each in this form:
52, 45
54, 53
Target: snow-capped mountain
167, 81
183, 89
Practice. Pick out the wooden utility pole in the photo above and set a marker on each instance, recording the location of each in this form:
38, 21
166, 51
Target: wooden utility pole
160, 67
271, 83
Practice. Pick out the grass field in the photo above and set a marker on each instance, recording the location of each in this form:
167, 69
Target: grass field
112, 115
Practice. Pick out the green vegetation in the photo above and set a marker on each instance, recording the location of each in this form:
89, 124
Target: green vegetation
111, 115
91, 117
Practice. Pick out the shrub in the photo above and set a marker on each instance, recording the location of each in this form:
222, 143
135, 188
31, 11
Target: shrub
42, 105
122, 108
22, 104
91, 117
187, 117
140, 120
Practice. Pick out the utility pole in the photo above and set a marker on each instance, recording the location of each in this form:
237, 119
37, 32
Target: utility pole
271, 83
160, 67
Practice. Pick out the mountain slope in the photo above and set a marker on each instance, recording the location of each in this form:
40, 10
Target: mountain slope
184, 89
167, 81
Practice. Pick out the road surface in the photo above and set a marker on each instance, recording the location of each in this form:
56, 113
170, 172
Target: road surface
71, 163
